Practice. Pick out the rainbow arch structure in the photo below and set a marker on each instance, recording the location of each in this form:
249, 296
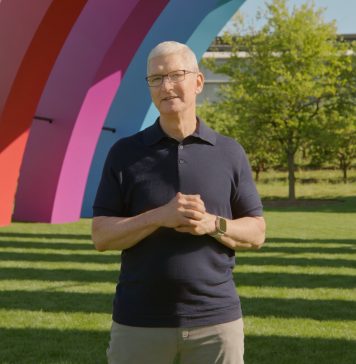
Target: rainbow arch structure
72, 83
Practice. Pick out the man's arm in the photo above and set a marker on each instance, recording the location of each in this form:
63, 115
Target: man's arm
243, 233
118, 233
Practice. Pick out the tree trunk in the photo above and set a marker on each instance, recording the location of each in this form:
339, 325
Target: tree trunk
291, 176
344, 172
343, 166
257, 174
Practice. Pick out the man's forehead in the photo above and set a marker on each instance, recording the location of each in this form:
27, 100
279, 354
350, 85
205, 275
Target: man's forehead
163, 61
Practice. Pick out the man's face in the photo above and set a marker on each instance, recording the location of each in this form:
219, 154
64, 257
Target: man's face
172, 98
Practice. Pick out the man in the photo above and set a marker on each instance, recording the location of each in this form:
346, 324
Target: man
178, 199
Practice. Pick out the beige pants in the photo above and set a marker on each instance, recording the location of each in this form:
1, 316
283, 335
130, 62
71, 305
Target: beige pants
217, 344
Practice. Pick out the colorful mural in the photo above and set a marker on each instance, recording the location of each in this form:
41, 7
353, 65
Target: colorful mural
72, 83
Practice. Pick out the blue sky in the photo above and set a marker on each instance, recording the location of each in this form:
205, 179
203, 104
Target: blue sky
343, 11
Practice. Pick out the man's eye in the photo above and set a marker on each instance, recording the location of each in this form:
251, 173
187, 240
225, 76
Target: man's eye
155, 78
175, 76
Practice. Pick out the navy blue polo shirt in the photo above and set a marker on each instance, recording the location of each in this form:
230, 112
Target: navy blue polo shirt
172, 279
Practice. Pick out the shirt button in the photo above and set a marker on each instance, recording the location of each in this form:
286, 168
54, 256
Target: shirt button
180, 146
185, 334
181, 161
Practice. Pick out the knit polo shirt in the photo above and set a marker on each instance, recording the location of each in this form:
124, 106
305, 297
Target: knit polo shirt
173, 279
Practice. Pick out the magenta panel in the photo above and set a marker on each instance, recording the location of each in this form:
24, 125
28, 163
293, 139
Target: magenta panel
77, 109
70, 79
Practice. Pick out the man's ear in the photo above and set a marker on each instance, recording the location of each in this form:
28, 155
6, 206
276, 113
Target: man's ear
200, 83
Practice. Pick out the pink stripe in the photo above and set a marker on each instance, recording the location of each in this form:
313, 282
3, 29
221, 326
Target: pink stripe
70, 79
95, 108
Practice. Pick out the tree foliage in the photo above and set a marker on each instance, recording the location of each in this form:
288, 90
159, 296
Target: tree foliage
286, 80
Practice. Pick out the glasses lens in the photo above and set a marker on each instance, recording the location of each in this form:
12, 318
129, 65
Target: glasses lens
176, 76
154, 80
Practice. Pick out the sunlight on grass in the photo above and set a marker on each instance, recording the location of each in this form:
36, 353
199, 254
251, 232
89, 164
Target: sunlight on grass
300, 328
50, 286
303, 293
298, 293
21, 319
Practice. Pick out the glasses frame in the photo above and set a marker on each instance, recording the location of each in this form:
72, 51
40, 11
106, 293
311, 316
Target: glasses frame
167, 75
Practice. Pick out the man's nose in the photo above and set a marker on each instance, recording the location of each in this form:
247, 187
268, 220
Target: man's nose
166, 82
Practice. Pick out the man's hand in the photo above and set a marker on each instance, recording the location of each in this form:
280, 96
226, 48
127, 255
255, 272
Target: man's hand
185, 213
205, 225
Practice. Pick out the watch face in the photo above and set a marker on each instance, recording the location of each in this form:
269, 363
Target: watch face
222, 225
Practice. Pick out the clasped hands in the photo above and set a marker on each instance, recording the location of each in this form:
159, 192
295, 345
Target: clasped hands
187, 214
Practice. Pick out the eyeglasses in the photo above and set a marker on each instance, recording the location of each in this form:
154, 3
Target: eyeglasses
174, 76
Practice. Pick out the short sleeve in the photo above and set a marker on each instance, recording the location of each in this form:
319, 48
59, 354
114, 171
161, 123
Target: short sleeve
108, 200
245, 199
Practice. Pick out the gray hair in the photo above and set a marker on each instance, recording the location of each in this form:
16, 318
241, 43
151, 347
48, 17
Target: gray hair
172, 47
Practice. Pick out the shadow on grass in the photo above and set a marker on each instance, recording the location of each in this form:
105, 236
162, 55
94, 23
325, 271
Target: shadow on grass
290, 280
344, 204
293, 350
112, 259
41, 346
54, 301
88, 347
53, 245
271, 239
77, 258
240, 278
57, 275
299, 308
302, 262
35, 235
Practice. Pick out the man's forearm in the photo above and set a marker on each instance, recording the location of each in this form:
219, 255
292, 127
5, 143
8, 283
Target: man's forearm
118, 233
244, 233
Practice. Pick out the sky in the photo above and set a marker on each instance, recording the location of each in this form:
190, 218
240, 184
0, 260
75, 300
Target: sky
343, 11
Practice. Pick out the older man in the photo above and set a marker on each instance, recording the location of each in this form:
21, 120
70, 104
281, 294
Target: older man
178, 199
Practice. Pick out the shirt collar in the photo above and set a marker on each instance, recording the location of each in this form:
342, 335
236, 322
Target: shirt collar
205, 133
154, 133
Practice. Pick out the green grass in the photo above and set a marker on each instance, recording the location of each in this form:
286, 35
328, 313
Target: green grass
325, 184
298, 293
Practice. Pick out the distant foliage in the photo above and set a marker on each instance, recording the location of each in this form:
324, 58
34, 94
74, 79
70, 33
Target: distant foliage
292, 90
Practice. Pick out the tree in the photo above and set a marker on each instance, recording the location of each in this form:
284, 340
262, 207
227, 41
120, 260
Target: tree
336, 143
261, 152
284, 78
344, 131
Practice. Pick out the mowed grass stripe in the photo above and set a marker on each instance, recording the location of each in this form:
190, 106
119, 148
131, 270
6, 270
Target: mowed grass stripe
350, 255
300, 293
242, 268
295, 269
253, 325
61, 255
22, 319
296, 327
29, 250
75, 266
59, 286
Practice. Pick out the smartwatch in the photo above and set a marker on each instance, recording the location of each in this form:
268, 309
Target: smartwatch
220, 227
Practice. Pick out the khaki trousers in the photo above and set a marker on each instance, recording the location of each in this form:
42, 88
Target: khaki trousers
216, 344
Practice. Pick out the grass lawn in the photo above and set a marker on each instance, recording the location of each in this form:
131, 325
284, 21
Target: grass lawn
298, 292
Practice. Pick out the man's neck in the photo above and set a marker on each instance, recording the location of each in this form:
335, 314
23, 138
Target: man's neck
178, 127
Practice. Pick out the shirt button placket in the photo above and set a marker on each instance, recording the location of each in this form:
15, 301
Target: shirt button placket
180, 148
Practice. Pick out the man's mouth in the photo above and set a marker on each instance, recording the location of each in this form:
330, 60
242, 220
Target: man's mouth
169, 98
